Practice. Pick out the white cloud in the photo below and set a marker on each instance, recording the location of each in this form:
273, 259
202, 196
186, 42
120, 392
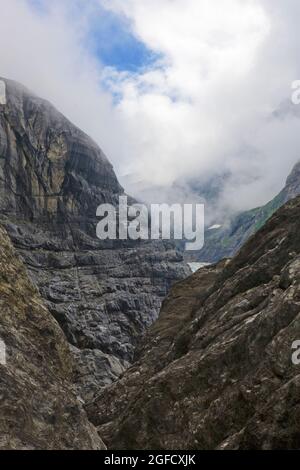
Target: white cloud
45, 52
206, 107
203, 107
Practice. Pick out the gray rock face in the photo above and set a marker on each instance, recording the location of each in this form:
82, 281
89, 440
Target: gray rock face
216, 369
38, 405
102, 293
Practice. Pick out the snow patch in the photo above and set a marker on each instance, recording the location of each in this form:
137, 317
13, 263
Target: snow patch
195, 266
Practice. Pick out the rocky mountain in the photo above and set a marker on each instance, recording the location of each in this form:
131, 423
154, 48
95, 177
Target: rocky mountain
38, 405
224, 242
216, 371
103, 294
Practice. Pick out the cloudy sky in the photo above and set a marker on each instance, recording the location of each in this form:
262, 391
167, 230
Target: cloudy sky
170, 89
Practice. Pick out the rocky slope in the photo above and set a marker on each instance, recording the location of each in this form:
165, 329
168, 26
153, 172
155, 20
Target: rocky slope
216, 370
102, 293
226, 241
38, 405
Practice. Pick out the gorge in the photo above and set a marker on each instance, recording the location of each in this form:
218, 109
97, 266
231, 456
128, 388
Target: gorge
90, 362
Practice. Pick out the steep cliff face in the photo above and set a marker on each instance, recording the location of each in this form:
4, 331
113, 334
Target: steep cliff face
226, 241
216, 369
103, 293
38, 405
50, 169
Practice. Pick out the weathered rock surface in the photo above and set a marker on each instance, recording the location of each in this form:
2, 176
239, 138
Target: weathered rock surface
216, 370
226, 241
38, 405
102, 293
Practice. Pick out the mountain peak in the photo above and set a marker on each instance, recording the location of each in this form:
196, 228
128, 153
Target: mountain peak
49, 163
103, 293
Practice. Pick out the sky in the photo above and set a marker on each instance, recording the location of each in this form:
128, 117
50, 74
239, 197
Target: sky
172, 90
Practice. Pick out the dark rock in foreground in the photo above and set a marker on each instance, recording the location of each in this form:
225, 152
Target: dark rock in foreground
216, 370
38, 405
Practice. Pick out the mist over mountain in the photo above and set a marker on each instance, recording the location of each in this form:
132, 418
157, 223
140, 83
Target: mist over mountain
200, 103
228, 236
114, 335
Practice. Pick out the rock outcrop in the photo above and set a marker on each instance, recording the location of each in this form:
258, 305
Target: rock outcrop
216, 369
38, 405
104, 294
224, 242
